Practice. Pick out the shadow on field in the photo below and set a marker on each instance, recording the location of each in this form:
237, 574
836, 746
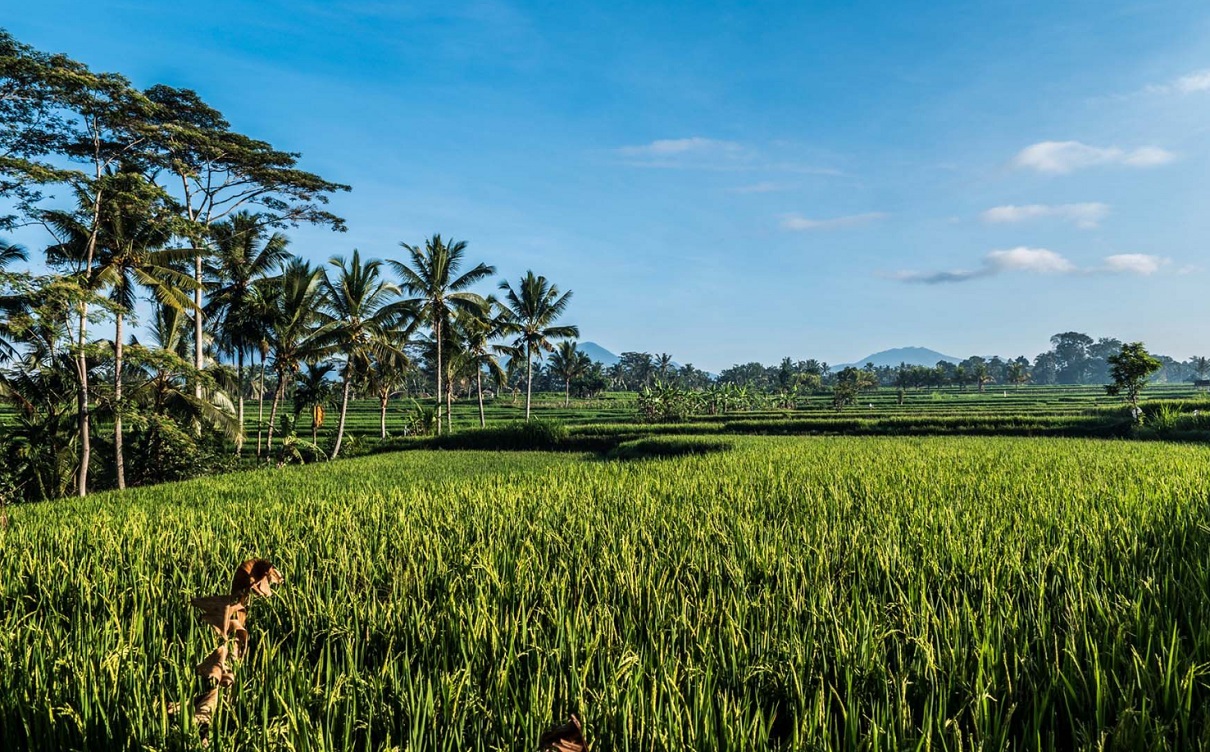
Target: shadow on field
642, 449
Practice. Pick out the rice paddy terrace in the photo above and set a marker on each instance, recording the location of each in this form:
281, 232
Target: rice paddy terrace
762, 592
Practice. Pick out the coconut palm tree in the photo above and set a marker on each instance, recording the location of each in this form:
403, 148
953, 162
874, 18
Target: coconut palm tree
297, 302
127, 242
531, 311
245, 256
11, 300
387, 375
569, 363
432, 278
477, 330
126, 262
314, 390
663, 364
363, 320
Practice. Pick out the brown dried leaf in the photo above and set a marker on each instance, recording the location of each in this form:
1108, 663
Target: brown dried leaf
239, 641
218, 611
214, 669
203, 707
255, 576
566, 738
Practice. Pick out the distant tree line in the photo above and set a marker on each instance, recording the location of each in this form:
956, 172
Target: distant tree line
1073, 358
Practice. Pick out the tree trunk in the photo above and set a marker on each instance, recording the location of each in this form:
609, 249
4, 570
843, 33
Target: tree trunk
449, 404
119, 461
82, 408
198, 360
260, 407
281, 385
344, 406
437, 331
529, 378
239, 370
479, 388
382, 414
567, 393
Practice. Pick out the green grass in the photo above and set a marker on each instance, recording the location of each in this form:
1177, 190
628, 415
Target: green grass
812, 593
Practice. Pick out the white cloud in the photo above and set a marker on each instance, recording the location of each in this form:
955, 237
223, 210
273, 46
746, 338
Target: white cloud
1062, 157
763, 187
1022, 259
701, 153
1134, 263
1196, 81
672, 146
1036, 261
1086, 215
799, 222
1189, 83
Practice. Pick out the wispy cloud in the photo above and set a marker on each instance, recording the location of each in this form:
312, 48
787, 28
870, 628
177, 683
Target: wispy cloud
673, 146
767, 186
1086, 215
701, 153
1189, 83
1062, 157
1134, 263
1037, 261
798, 222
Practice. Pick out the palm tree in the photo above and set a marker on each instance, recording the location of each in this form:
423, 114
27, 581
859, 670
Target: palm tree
477, 330
297, 303
245, 257
531, 312
386, 376
364, 319
125, 261
663, 363
122, 250
569, 363
11, 301
314, 390
433, 280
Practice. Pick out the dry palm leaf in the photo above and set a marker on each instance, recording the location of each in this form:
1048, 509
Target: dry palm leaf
566, 738
239, 640
219, 611
203, 710
214, 669
255, 576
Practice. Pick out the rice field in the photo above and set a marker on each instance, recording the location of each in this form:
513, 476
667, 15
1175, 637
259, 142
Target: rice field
788, 593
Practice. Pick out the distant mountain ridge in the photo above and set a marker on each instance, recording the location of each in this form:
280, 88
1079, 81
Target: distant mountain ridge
599, 354
913, 356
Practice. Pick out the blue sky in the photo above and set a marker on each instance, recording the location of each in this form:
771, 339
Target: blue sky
738, 181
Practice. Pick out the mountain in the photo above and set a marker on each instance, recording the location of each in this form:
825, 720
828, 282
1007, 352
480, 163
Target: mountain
913, 356
598, 353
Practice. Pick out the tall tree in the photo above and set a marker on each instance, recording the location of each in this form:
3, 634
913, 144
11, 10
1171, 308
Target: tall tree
247, 256
364, 320
314, 390
569, 363
12, 300
219, 172
130, 255
297, 303
432, 277
477, 330
532, 309
1130, 368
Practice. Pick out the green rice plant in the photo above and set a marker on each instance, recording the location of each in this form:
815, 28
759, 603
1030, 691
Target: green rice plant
791, 593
